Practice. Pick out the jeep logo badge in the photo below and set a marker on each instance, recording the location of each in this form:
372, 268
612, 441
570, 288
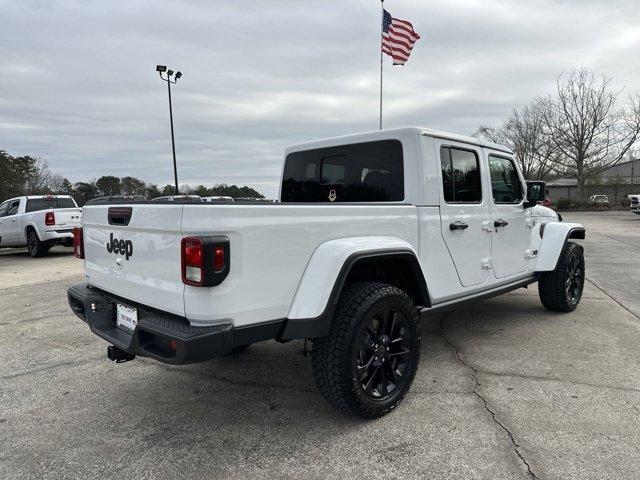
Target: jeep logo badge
332, 195
120, 247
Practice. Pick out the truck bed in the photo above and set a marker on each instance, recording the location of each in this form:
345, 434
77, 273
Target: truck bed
270, 246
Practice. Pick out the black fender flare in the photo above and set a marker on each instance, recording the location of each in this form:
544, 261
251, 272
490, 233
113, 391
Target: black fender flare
316, 327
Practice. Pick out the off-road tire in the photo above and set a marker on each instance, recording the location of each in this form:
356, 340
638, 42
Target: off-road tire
335, 356
552, 286
35, 247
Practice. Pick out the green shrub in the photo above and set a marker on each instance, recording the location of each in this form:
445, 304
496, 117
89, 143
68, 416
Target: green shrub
625, 202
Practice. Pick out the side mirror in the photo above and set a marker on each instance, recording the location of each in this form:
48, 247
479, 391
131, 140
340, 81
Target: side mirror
535, 193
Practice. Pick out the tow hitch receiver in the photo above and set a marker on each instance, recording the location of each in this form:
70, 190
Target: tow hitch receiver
117, 355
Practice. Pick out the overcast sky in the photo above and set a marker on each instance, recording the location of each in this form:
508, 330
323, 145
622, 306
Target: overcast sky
78, 85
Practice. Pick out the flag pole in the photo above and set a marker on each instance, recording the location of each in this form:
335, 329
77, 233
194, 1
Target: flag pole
381, 58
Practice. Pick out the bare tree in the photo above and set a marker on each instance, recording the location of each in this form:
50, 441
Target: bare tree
524, 133
492, 134
587, 126
531, 147
55, 183
39, 178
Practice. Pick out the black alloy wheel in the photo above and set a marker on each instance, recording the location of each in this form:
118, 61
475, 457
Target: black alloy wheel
35, 247
561, 289
574, 282
384, 353
32, 245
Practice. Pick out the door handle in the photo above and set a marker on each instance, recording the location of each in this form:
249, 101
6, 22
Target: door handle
500, 223
458, 226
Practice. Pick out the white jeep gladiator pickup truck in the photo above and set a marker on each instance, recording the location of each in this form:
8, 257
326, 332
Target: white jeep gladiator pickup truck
38, 222
371, 232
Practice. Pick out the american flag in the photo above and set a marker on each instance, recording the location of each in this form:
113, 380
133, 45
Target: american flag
398, 38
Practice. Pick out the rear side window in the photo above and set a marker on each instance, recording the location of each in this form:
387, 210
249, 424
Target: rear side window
360, 172
505, 182
460, 175
37, 204
3, 209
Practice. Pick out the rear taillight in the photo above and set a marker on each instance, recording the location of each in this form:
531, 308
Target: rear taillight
218, 259
78, 242
205, 260
50, 219
192, 267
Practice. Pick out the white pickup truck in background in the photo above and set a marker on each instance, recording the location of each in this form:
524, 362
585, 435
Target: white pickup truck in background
371, 232
38, 222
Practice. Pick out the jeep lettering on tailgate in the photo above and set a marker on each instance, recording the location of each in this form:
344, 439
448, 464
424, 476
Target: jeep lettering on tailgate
120, 247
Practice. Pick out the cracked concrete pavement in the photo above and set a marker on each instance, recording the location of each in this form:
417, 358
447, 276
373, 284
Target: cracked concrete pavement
504, 390
477, 384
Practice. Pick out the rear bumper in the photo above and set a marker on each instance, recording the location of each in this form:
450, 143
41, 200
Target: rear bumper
157, 332
60, 234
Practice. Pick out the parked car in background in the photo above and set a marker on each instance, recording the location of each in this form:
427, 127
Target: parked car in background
218, 199
599, 199
115, 199
178, 198
634, 207
253, 200
39, 222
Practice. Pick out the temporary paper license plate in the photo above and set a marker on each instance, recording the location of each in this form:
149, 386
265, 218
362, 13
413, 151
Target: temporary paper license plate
126, 317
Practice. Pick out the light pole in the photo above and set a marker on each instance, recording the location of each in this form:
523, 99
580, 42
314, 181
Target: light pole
162, 69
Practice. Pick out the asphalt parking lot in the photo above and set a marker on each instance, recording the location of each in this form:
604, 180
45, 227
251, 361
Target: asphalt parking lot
505, 389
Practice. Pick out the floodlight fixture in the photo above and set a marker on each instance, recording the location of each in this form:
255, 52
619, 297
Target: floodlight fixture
161, 68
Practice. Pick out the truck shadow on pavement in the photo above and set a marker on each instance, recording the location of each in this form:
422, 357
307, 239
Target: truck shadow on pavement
270, 376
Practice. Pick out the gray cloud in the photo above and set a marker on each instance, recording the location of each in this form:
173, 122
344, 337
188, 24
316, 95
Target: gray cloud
78, 85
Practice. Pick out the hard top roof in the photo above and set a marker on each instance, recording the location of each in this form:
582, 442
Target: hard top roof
379, 134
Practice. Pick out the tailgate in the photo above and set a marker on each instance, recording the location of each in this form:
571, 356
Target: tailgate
67, 218
145, 265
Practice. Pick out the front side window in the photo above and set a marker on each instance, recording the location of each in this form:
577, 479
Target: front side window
505, 182
460, 175
360, 172
12, 209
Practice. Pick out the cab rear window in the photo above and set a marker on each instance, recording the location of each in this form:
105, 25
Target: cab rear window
360, 172
37, 204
